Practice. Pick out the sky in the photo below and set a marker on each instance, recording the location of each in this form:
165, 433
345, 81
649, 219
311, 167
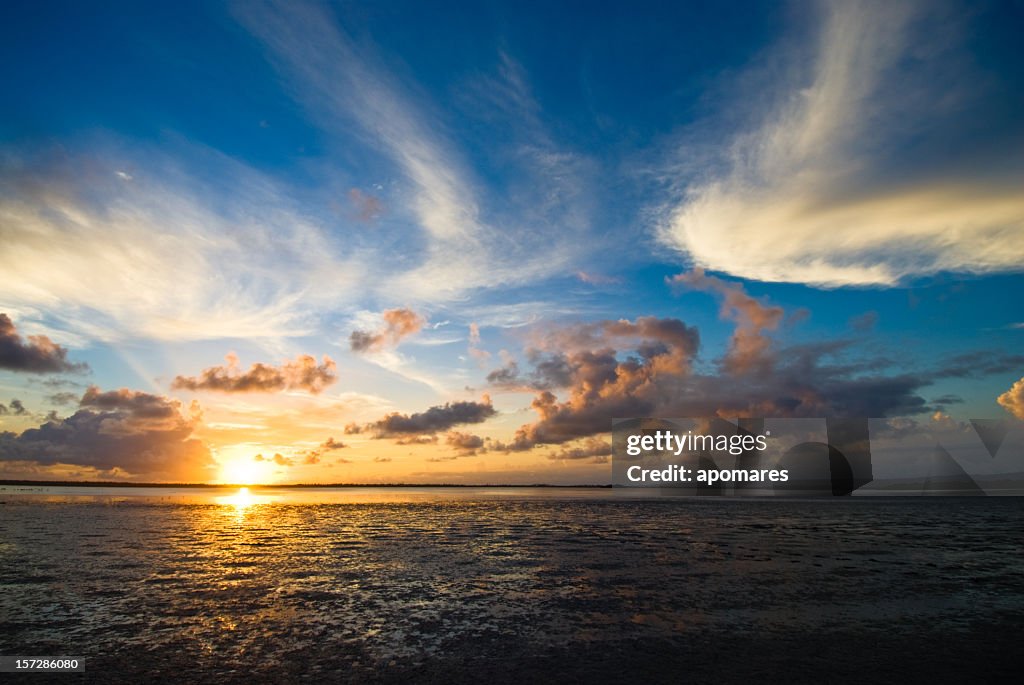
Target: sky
447, 242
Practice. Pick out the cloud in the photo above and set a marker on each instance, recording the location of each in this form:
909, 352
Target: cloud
980, 363
368, 207
594, 449
417, 440
466, 444
749, 344
278, 459
585, 353
313, 456
398, 324
1013, 399
506, 376
62, 398
464, 441
866, 170
481, 356
226, 253
17, 408
36, 354
601, 386
596, 279
433, 420
121, 431
464, 242
643, 368
301, 374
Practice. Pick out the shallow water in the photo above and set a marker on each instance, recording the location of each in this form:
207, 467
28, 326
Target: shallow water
448, 585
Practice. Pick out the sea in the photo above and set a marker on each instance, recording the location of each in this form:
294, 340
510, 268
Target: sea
451, 585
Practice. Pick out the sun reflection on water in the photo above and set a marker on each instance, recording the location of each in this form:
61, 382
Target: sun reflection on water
243, 499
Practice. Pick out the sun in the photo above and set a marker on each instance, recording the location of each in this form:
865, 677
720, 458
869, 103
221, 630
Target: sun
243, 471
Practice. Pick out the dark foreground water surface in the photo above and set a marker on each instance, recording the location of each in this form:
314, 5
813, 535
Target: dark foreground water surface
510, 585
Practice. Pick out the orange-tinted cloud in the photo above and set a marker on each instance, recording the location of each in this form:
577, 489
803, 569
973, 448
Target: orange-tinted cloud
398, 325
1013, 399
278, 459
642, 368
301, 374
749, 344
466, 444
474, 345
36, 354
601, 386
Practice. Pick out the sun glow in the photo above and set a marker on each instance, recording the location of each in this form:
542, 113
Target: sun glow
244, 470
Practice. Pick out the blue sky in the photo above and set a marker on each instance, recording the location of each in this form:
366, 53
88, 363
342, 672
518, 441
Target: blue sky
827, 195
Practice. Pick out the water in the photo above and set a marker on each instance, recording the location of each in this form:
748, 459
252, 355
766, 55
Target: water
462, 584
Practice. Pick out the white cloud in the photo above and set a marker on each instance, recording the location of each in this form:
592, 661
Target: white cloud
808, 196
163, 259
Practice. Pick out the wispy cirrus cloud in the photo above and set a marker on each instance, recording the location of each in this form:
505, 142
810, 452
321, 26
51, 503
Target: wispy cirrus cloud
166, 256
467, 240
818, 191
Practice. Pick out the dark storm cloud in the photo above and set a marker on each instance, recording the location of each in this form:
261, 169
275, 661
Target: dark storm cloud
36, 354
301, 374
122, 431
